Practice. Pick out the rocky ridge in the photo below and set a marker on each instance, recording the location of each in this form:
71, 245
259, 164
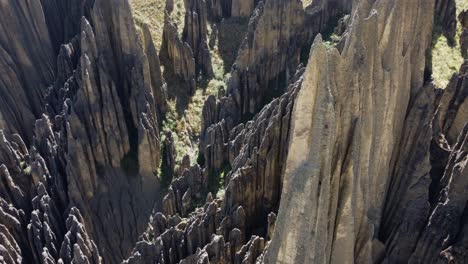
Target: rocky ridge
96, 157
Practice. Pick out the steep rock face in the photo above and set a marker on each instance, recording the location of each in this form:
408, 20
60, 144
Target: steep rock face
168, 162
231, 8
107, 174
257, 154
441, 237
463, 18
446, 17
29, 50
180, 54
195, 34
324, 12
345, 126
112, 97
406, 205
271, 46
452, 112
63, 19
27, 63
367, 160
279, 33
96, 148
242, 8
159, 86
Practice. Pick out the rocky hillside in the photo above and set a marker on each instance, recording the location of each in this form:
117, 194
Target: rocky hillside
233, 131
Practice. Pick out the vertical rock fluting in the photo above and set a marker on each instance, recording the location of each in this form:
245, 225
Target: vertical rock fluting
272, 48
215, 9
159, 87
27, 65
195, 34
345, 132
242, 8
406, 205
101, 150
443, 239
442, 236
63, 19
109, 132
446, 17
32, 229
221, 232
179, 53
279, 33
463, 18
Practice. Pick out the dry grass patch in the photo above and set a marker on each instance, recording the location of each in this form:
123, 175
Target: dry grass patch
151, 12
446, 58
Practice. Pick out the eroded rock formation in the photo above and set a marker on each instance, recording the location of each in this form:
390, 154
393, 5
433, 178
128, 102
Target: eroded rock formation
179, 53
463, 18
242, 8
221, 230
196, 34
348, 155
99, 153
446, 17
279, 33
355, 166
20, 108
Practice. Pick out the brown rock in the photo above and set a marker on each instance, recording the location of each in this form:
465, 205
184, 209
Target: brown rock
179, 53
343, 136
242, 8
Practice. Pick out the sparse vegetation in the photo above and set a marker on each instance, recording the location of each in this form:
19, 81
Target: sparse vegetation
329, 33
185, 121
151, 12
446, 56
332, 41
216, 180
25, 168
184, 114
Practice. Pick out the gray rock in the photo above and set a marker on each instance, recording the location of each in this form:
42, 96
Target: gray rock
196, 35
179, 53
446, 17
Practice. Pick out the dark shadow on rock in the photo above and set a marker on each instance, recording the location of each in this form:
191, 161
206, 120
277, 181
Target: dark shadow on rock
176, 87
230, 36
